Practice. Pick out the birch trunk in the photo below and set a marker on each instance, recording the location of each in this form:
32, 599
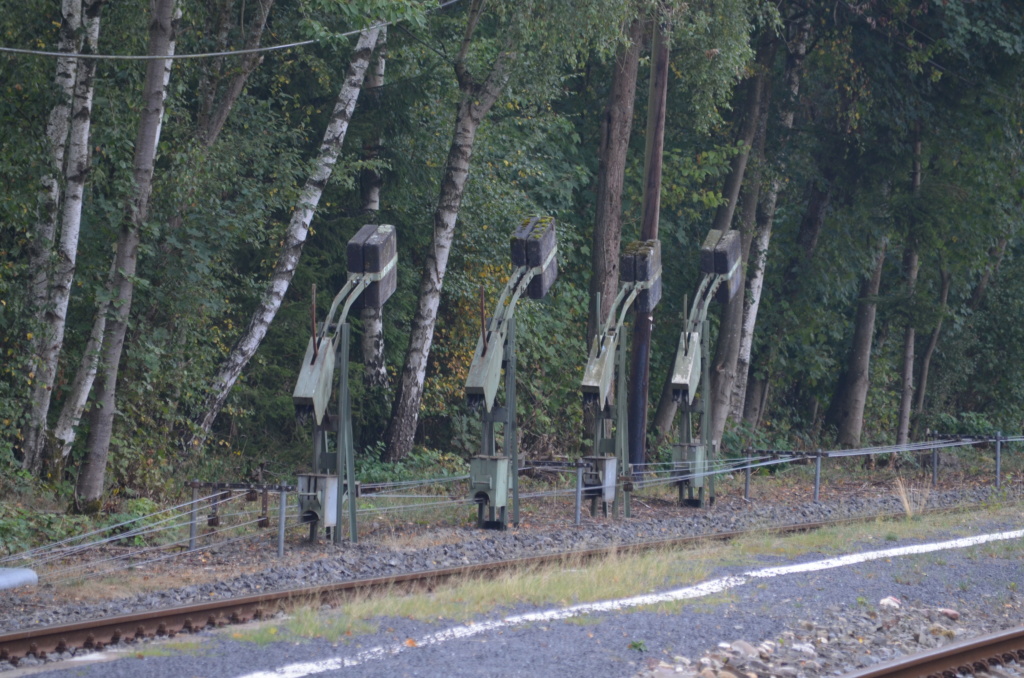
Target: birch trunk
853, 388
616, 127
933, 342
755, 276
66, 429
477, 100
294, 238
41, 249
89, 488
723, 370
375, 373
911, 264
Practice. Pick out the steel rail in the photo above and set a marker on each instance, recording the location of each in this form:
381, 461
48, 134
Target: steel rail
967, 657
96, 634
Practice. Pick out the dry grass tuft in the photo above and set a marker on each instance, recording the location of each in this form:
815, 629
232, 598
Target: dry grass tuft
913, 499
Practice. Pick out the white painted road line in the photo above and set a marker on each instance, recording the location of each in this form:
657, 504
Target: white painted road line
707, 588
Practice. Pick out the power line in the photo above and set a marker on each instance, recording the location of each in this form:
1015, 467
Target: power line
202, 55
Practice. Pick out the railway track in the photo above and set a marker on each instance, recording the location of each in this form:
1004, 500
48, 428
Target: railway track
1000, 654
97, 634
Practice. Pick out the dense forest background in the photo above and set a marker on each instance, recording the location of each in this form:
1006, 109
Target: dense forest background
163, 222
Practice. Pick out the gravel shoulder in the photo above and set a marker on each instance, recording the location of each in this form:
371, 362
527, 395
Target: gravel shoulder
833, 618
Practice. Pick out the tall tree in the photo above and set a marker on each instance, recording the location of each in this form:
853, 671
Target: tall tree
294, 238
162, 27
616, 128
640, 358
68, 134
375, 373
848, 403
517, 38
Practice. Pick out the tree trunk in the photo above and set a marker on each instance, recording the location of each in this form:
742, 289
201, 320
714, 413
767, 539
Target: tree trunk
911, 264
477, 100
643, 323
214, 110
89, 488
848, 409
666, 411
616, 128
294, 239
41, 248
995, 256
375, 373
66, 428
755, 277
933, 342
723, 370
757, 396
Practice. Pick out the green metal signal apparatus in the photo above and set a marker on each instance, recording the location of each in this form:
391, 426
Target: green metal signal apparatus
719, 261
640, 286
534, 247
372, 278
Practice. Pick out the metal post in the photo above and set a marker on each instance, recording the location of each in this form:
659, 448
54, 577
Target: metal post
935, 467
817, 476
280, 522
621, 427
345, 445
999, 459
746, 476
579, 490
705, 416
193, 517
511, 443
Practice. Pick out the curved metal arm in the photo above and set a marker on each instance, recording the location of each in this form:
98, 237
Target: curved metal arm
485, 370
598, 374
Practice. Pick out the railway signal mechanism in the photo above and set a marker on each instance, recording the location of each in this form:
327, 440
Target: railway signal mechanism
491, 475
372, 278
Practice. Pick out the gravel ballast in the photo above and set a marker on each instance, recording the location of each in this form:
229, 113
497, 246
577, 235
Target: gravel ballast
820, 623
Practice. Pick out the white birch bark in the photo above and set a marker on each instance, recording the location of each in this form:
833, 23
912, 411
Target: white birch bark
477, 100
375, 373
57, 125
69, 134
762, 241
294, 239
66, 429
91, 478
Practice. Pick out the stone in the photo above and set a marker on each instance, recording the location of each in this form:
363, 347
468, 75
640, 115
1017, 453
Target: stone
744, 648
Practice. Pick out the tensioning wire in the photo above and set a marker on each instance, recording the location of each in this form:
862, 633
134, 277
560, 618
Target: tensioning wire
201, 55
29, 553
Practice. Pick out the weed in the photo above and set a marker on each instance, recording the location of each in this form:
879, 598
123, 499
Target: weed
638, 645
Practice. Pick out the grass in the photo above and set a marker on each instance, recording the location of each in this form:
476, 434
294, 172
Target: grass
614, 576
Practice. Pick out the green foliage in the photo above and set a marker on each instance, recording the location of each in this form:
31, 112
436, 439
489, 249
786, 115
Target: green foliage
420, 464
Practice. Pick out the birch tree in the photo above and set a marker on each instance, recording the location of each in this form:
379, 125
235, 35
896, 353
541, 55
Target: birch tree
220, 89
163, 19
68, 136
375, 373
502, 41
294, 237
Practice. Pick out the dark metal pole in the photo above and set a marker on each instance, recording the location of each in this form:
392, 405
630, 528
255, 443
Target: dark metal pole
999, 459
579, 490
935, 467
817, 476
746, 476
643, 322
345, 424
280, 522
511, 441
193, 517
